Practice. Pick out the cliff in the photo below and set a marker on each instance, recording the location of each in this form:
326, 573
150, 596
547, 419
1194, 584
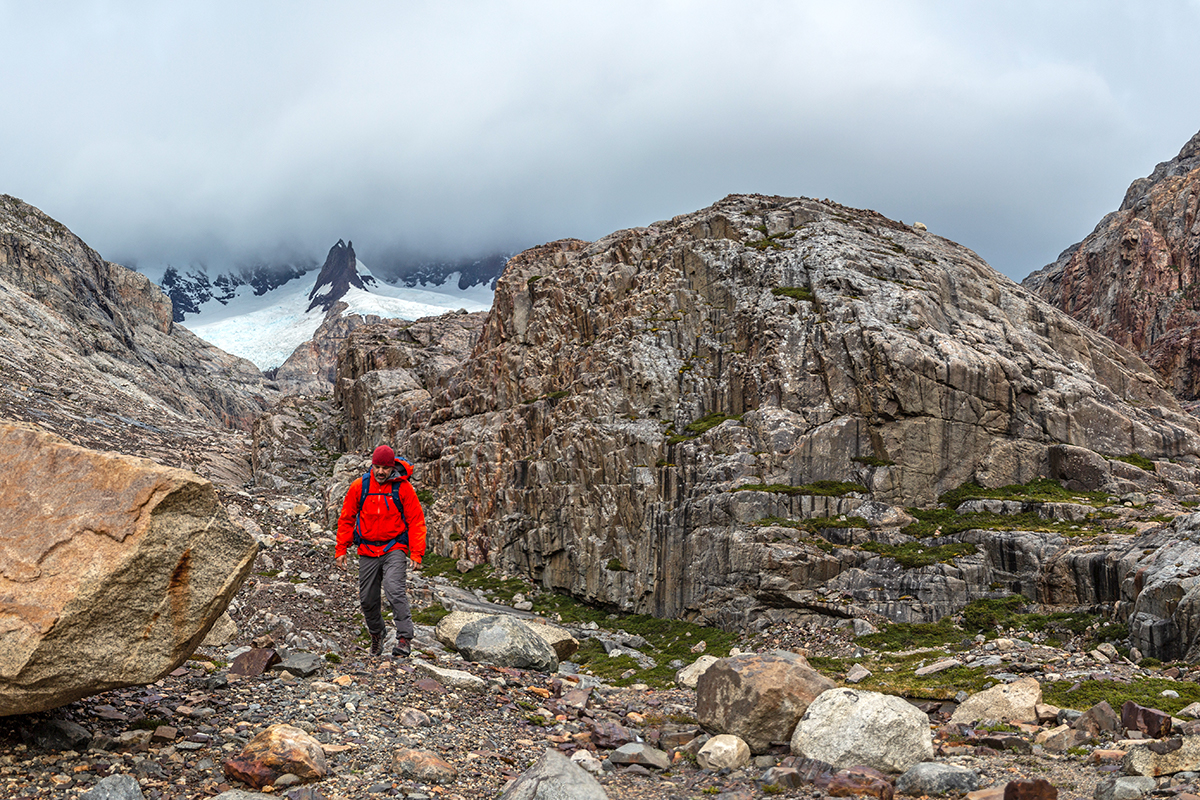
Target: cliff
1136, 277
79, 325
632, 407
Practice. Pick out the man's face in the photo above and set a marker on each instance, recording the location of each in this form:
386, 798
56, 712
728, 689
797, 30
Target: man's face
380, 473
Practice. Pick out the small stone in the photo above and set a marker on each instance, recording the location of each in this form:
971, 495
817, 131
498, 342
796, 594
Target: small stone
857, 673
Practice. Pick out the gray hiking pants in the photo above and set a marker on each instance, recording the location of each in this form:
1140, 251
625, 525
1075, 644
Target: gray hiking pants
390, 572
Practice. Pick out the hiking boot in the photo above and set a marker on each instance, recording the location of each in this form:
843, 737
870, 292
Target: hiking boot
402, 649
376, 644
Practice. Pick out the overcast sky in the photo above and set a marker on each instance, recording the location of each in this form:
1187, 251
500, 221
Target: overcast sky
213, 130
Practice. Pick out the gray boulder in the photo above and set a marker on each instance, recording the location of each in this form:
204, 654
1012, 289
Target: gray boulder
114, 787
852, 727
933, 778
505, 642
554, 777
1126, 787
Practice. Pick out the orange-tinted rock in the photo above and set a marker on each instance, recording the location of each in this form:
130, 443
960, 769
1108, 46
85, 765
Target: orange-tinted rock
759, 698
279, 750
1037, 789
860, 782
108, 579
1136, 278
423, 765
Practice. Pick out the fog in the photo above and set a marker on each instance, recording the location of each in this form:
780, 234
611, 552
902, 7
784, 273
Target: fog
223, 132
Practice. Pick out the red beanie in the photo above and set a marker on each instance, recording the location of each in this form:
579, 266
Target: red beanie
383, 456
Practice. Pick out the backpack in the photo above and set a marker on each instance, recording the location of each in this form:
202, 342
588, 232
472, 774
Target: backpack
401, 537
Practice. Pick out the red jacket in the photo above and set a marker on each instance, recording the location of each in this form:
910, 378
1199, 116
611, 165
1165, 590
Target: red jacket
381, 521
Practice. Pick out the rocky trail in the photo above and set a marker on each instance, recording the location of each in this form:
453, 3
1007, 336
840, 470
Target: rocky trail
418, 728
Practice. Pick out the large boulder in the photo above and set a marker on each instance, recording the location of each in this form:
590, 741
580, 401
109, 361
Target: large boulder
852, 727
1008, 702
558, 637
759, 698
505, 642
554, 777
278, 750
112, 569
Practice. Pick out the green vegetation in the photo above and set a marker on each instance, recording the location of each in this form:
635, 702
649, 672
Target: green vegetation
914, 554
817, 488
947, 522
557, 395
1038, 490
795, 292
615, 565
702, 425
907, 635
431, 615
872, 461
1139, 461
425, 496
333, 658
481, 576
532, 280
1144, 691
813, 524
668, 639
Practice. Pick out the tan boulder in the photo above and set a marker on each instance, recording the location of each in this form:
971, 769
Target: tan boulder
277, 751
112, 569
558, 637
759, 698
1162, 757
1009, 702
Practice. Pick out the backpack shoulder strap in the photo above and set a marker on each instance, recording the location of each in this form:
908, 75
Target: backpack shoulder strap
362, 493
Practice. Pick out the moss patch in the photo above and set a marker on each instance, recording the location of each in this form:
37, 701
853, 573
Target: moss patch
1146, 692
818, 488
914, 554
1039, 490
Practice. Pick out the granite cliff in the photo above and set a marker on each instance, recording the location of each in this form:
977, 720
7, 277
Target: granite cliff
1136, 277
642, 420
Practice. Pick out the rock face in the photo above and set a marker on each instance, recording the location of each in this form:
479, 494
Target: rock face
112, 569
76, 323
625, 396
1136, 277
337, 275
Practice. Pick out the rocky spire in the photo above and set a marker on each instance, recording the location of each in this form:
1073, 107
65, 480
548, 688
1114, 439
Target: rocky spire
337, 275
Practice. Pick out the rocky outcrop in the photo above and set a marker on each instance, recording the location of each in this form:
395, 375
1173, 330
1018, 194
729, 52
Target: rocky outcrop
311, 369
337, 275
625, 398
1136, 277
388, 373
79, 324
112, 569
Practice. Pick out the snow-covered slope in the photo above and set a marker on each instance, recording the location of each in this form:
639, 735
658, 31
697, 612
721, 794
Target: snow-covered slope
266, 329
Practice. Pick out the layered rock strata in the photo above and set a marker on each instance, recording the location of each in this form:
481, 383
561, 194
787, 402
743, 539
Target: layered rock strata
626, 397
1136, 277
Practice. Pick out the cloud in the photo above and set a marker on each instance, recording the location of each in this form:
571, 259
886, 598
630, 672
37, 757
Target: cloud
178, 132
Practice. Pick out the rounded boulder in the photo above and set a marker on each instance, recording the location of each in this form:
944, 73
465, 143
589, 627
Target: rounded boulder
852, 727
758, 697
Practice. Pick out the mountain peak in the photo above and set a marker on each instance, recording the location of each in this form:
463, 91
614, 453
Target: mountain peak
337, 275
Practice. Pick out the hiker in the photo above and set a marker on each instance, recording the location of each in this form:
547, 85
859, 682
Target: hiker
382, 515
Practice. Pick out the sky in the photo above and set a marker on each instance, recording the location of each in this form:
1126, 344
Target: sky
228, 131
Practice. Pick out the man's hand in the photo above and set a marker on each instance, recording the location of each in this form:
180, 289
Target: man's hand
415, 564
341, 561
